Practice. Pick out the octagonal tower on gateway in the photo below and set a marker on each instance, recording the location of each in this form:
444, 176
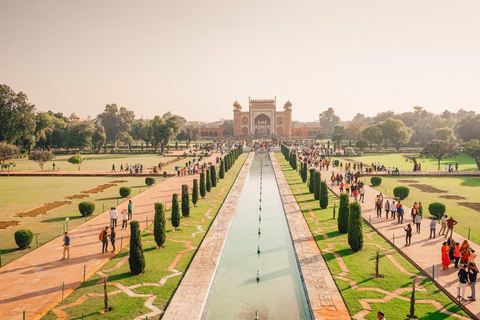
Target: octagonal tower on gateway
262, 120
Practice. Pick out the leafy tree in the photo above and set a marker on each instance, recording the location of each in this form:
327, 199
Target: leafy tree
469, 128
40, 157
396, 132
472, 148
203, 187
439, 150
116, 122
227, 127
311, 185
159, 222
7, 153
99, 138
355, 232
221, 172
373, 134
195, 192
444, 134
208, 180
328, 121
136, 259
362, 144
192, 134
354, 129
175, 212
338, 133
163, 131
79, 134
318, 179
127, 140
343, 213
185, 201
77, 160
323, 195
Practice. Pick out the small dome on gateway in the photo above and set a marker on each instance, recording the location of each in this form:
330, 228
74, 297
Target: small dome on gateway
288, 103
237, 105
74, 116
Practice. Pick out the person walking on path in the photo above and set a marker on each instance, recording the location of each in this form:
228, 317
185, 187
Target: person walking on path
378, 206
450, 224
66, 246
408, 234
456, 254
462, 281
472, 279
400, 213
112, 238
380, 315
104, 238
465, 252
113, 217
444, 225
433, 226
445, 256
418, 221
387, 208
125, 219
130, 209
393, 209
362, 193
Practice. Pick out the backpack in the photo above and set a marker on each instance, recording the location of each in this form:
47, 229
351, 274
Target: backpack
100, 236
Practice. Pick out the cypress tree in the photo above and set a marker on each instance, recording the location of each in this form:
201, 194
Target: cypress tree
203, 187
175, 212
311, 186
195, 192
159, 225
304, 173
208, 182
213, 176
355, 232
226, 162
136, 259
221, 172
185, 201
318, 179
323, 195
294, 161
343, 212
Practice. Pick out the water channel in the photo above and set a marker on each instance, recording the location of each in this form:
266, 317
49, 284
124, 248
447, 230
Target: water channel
236, 293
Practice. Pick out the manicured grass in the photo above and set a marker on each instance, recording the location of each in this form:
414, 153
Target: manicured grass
361, 265
157, 262
464, 161
20, 194
467, 187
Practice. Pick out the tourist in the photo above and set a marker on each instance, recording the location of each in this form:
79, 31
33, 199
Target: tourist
112, 238
408, 234
362, 193
450, 224
465, 252
347, 188
400, 213
66, 246
445, 256
113, 167
378, 206
433, 226
418, 221
456, 254
380, 315
341, 187
444, 225
113, 217
125, 219
456, 166
472, 279
420, 209
393, 209
387, 208
53, 165
104, 238
462, 281
130, 209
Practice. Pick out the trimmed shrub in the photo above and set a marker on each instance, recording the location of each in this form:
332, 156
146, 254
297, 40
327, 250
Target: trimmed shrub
343, 213
23, 238
149, 181
311, 186
203, 187
401, 192
164, 174
86, 208
304, 173
360, 153
323, 195
175, 212
437, 209
221, 172
136, 259
185, 201
125, 192
376, 181
195, 192
159, 224
208, 181
349, 152
318, 179
336, 162
355, 232
213, 176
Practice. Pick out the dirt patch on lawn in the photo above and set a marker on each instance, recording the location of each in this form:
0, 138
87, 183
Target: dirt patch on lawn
77, 196
449, 197
471, 205
8, 224
118, 181
43, 209
427, 188
99, 188
408, 181
350, 160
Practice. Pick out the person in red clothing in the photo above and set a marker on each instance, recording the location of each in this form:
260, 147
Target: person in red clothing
456, 254
450, 224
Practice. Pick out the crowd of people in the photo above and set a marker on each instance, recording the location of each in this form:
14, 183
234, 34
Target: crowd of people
135, 168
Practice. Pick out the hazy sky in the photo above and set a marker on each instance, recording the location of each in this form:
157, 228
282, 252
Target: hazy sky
195, 58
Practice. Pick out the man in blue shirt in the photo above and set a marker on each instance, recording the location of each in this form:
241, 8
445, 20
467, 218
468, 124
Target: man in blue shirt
66, 246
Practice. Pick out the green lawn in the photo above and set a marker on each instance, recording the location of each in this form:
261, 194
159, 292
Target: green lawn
464, 161
466, 187
157, 263
361, 265
20, 194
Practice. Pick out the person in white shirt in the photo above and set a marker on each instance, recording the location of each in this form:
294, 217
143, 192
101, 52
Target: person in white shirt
125, 219
113, 217
393, 209
443, 220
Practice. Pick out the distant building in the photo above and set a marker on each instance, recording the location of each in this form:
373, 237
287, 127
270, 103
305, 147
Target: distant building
211, 130
74, 117
307, 130
262, 119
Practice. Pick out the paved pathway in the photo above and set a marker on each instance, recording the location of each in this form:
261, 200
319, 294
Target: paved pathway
191, 296
423, 251
33, 283
323, 296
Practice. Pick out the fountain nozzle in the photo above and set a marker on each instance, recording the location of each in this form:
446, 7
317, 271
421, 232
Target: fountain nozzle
259, 233
258, 250
258, 276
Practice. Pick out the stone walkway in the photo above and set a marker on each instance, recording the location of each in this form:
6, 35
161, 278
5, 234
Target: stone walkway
189, 300
424, 252
34, 282
323, 296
